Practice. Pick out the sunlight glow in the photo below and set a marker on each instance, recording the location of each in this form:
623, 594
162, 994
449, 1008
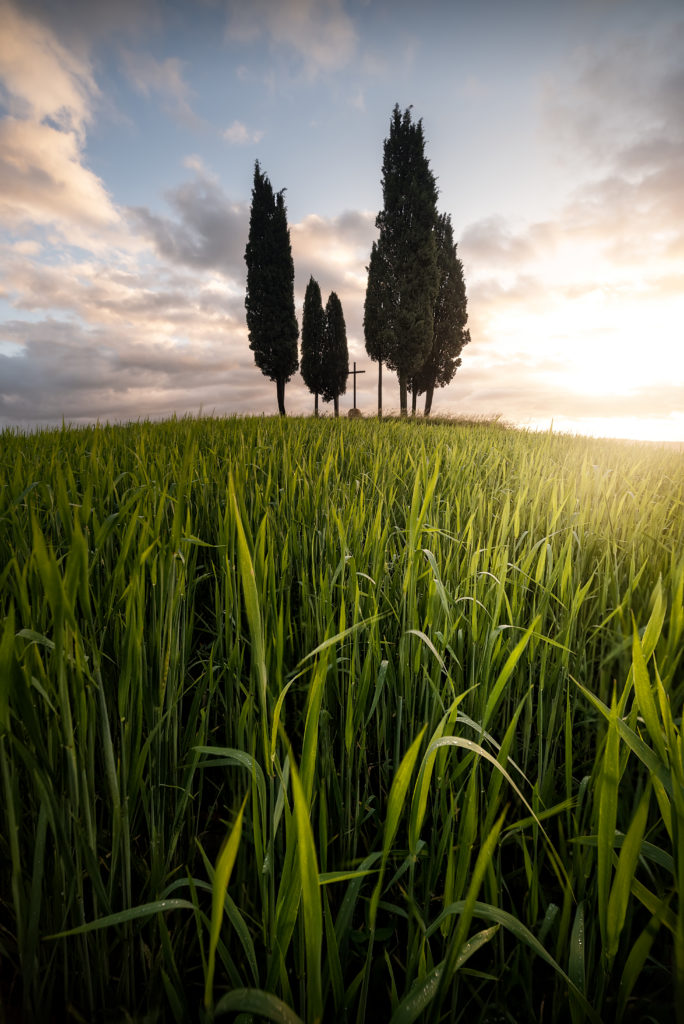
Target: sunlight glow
668, 430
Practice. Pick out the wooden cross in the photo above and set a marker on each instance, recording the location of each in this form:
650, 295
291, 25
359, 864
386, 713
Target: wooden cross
353, 373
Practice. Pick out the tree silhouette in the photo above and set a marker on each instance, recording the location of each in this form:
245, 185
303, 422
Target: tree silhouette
269, 301
313, 341
450, 319
336, 353
405, 261
378, 312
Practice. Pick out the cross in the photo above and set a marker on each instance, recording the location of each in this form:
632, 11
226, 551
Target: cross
353, 373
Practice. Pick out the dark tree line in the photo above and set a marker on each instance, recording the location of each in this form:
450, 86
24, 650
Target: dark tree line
415, 311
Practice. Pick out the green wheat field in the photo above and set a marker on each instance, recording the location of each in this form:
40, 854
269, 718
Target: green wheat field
340, 721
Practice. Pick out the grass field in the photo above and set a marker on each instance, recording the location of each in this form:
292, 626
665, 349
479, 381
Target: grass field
340, 721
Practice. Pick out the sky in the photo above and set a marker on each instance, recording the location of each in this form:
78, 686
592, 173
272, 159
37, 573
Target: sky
128, 136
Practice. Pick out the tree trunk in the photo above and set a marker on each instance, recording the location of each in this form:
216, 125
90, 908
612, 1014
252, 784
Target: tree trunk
403, 396
280, 391
380, 389
316, 404
428, 399
336, 405
414, 397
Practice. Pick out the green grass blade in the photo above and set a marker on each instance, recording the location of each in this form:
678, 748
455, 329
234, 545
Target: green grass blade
224, 868
424, 991
507, 671
458, 940
254, 616
524, 935
253, 1000
311, 901
635, 962
124, 916
622, 883
395, 806
576, 961
609, 780
644, 694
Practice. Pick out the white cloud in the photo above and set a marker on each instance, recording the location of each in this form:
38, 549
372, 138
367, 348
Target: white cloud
602, 103
163, 78
319, 32
238, 134
42, 77
51, 93
43, 181
358, 100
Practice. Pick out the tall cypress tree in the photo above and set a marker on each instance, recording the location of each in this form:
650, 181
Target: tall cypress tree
378, 313
451, 316
336, 353
313, 341
269, 301
406, 253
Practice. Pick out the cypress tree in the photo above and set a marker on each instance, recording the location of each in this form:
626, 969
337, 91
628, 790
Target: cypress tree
313, 341
269, 300
378, 313
406, 250
336, 353
450, 319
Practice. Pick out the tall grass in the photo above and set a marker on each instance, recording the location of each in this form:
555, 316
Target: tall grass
340, 720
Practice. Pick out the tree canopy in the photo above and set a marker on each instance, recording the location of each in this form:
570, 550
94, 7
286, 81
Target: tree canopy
269, 300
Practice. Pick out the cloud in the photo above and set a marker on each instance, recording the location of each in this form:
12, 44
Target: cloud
82, 23
630, 145
597, 285
163, 78
210, 231
119, 340
43, 78
102, 293
603, 100
50, 95
335, 251
124, 337
238, 134
493, 241
83, 375
335, 248
318, 32
358, 100
43, 181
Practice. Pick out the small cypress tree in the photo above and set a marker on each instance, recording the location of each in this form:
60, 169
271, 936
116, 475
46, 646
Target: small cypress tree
336, 353
313, 341
450, 319
269, 300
